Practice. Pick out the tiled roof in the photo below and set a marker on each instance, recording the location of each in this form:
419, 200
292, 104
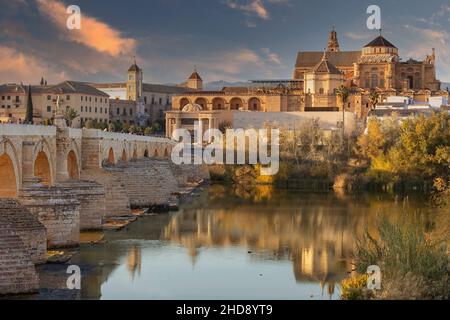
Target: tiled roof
325, 66
309, 59
380, 42
195, 76
66, 87
75, 87
160, 88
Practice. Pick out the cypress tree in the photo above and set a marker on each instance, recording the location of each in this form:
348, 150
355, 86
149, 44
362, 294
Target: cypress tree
29, 114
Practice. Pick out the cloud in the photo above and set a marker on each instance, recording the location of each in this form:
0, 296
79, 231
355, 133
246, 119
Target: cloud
356, 36
253, 7
16, 66
428, 39
93, 34
271, 56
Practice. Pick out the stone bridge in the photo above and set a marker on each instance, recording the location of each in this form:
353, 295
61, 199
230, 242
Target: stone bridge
64, 180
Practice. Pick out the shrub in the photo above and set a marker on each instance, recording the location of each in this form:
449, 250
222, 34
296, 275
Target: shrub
355, 288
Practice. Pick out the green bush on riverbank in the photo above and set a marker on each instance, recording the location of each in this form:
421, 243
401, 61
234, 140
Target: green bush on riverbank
413, 265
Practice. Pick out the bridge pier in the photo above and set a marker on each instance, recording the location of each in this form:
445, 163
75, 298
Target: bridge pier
57, 209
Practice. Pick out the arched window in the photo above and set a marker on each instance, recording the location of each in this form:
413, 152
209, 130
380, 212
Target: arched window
374, 80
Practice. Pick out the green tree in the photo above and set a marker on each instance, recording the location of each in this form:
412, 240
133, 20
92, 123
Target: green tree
89, 124
29, 112
71, 115
157, 127
148, 131
374, 98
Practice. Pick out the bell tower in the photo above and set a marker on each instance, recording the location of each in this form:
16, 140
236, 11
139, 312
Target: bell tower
333, 43
134, 82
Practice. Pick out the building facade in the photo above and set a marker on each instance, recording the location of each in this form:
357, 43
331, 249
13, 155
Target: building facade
88, 102
376, 69
139, 103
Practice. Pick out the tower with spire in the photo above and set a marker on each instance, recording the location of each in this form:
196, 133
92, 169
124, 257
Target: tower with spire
333, 42
195, 82
134, 82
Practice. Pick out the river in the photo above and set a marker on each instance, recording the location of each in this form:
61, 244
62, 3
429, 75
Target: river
227, 243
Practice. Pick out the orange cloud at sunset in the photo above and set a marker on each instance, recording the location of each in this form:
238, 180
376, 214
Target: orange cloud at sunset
94, 33
16, 66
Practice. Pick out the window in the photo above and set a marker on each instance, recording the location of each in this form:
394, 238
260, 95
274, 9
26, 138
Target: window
90, 99
101, 99
145, 100
118, 111
167, 101
81, 98
90, 109
374, 82
17, 98
67, 98
3, 97
81, 107
9, 97
101, 110
49, 98
95, 110
153, 100
321, 91
106, 110
95, 99
131, 112
160, 100
49, 109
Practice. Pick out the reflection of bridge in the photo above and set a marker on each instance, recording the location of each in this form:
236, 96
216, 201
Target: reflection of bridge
72, 179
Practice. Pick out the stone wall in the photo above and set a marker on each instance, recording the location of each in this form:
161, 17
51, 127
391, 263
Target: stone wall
22, 244
57, 209
116, 200
17, 271
148, 182
91, 196
16, 218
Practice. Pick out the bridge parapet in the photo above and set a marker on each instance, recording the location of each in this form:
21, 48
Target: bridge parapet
26, 130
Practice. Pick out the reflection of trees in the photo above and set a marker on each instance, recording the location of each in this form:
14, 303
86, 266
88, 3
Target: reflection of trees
316, 232
317, 239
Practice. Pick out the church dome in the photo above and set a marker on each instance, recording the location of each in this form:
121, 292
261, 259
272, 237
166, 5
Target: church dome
192, 107
380, 41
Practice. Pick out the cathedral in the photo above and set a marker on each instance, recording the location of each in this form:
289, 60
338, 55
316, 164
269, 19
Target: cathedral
371, 75
377, 66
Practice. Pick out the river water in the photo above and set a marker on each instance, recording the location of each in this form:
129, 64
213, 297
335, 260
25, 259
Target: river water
231, 244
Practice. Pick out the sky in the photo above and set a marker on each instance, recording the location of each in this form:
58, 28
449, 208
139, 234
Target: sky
230, 40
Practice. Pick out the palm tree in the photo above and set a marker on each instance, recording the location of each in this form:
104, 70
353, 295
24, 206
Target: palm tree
374, 98
343, 93
71, 115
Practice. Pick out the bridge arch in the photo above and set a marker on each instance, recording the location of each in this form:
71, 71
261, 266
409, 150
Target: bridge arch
42, 168
146, 153
166, 153
123, 157
73, 168
43, 164
9, 170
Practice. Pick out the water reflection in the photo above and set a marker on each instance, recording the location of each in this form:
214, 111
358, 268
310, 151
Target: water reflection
237, 244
